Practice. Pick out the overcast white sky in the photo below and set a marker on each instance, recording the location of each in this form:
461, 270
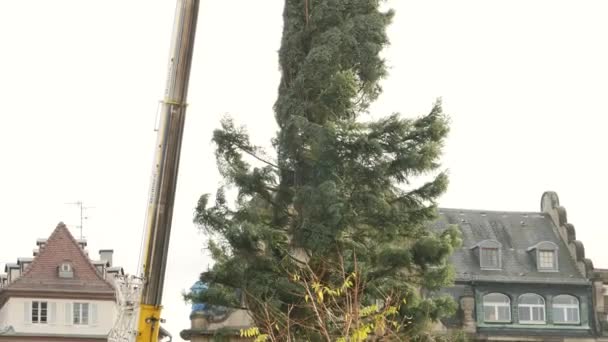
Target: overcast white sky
525, 83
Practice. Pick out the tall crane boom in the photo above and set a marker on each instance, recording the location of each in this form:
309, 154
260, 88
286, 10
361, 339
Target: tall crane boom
165, 169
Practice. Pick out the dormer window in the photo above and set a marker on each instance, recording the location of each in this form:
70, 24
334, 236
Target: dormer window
489, 257
546, 259
546, 256
489, 254
65, 270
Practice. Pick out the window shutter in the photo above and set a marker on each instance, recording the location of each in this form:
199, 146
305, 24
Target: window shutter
27, 312
52, 313
93, 314
68, 313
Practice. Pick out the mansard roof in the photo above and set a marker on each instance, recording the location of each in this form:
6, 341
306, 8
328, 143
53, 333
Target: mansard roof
516, 232
42, 275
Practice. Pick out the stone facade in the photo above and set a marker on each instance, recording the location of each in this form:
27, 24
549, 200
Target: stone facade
205, 327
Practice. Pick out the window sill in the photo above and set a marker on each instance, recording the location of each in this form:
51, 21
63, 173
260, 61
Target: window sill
567, 323
533, 322
498, 322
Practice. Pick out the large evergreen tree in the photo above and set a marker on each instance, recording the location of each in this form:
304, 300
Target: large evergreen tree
337, 201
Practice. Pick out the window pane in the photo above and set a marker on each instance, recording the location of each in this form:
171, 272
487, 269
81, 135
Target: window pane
565, 299
35, 307
558, 315
546, 259
489, 257
76, 313
495, 298
538, 314
572, 315
85, 314
43, 312
524, 313
489, 313
531, 298
504, 313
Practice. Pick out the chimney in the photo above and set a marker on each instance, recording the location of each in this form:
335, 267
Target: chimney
101, 267
24, 263
41, 243
82, 243
106, 255
13, 272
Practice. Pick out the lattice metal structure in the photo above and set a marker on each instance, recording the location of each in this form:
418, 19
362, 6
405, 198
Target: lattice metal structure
128, 296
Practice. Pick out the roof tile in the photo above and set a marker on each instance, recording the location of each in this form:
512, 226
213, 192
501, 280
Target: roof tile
42, 274
517, 232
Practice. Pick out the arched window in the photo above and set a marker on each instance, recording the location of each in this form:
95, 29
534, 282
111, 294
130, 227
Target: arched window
566, 310
496, 308
531, 309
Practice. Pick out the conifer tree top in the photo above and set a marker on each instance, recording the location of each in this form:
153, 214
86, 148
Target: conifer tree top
336, 199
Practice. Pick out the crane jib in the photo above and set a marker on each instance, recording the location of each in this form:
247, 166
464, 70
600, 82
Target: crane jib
165, 169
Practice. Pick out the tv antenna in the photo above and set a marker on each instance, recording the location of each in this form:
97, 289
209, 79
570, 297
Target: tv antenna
83, 216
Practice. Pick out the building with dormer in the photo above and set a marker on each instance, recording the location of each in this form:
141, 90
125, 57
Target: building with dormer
519, 276
523, 276
60, 294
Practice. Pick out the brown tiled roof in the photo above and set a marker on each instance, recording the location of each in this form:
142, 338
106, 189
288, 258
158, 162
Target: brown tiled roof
42, 275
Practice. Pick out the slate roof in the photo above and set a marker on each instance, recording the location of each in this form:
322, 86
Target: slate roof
42, 274
516, 231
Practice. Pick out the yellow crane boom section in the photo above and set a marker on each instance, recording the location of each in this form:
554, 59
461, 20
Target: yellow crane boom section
165, 169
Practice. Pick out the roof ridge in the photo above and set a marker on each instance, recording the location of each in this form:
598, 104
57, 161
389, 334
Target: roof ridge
440, 209
37, 257
85, 256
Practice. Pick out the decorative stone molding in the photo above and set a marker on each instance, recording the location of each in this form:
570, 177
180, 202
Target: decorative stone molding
199, 320
467, 305
549, 204
7, 330
205, 325
598, 291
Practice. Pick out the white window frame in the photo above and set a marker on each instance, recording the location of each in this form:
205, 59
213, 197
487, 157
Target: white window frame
37, 310
530, 308
78, 313
494, 306
564, 308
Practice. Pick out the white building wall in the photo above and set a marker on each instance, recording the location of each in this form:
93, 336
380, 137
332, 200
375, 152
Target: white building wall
16, 314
